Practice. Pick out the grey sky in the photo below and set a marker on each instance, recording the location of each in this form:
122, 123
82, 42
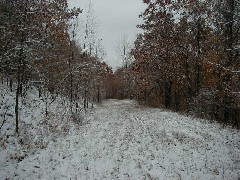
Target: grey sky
117, 18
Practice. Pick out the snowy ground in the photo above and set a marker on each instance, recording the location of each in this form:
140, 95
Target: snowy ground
120, 140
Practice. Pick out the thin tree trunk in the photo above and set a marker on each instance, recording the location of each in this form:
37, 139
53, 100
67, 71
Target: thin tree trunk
229, 42
18, 93
168, 94
98, 95
16, 109
199, 63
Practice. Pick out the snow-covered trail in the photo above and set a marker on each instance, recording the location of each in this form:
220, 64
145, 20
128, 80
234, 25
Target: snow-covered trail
125, 141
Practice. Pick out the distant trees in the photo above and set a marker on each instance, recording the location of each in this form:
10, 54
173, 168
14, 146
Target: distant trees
123, 49
187, 59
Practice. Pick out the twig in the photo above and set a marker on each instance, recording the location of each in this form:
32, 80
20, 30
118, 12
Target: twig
3, 123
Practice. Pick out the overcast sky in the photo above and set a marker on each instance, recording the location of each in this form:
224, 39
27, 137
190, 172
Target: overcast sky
117, 18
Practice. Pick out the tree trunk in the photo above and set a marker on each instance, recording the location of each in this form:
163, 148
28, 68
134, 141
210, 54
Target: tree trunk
18, 93
229, 30
168, 94
16, 108
199, 63
71, 83
229, 42
98, 95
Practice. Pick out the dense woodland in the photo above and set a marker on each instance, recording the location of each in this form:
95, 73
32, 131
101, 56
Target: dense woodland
38, 48
187, 59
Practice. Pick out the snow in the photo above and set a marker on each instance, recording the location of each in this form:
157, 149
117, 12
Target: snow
117, 140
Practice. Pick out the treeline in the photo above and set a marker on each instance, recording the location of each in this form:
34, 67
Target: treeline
38, 48
187, 59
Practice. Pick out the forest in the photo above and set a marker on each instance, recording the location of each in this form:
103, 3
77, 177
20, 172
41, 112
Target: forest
186, 60
39, 49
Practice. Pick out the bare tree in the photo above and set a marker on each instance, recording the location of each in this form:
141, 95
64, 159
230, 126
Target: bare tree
123, 49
